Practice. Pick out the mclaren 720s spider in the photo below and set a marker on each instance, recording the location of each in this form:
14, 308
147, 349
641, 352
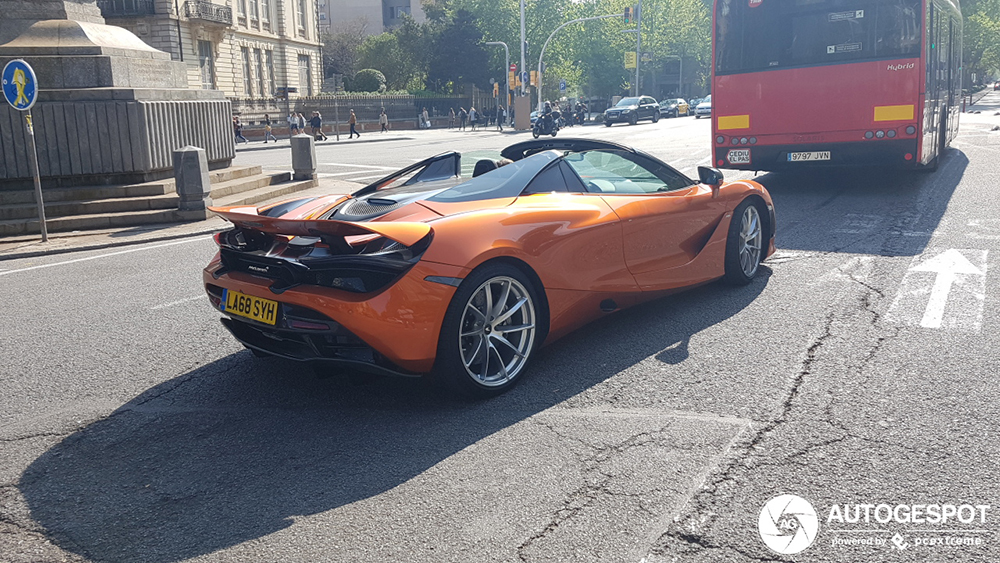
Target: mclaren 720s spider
461, 280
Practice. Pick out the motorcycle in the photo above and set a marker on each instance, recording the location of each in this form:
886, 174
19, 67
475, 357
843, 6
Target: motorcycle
546, 124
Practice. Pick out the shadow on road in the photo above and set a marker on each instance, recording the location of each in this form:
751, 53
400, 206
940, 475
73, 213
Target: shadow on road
873, 211
234, 450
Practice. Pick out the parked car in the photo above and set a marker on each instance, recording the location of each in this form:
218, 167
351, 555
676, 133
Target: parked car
461, 280
674, 107
631, 110
704, 108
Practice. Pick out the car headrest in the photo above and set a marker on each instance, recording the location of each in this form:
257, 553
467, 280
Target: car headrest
483, 166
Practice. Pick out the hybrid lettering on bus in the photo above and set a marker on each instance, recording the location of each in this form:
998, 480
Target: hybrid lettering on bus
800, 83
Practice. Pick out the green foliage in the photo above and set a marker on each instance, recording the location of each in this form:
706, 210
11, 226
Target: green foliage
457, 55
368, 80
981, 41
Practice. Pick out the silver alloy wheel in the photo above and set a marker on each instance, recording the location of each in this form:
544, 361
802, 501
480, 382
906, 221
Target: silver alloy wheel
497, 331
750, 241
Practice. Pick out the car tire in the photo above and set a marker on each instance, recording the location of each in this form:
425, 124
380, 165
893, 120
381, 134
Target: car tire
746, 244
463, 365
696, 116
656, 117
607, 124
633, 119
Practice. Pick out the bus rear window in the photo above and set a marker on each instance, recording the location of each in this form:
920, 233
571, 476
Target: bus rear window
787, 33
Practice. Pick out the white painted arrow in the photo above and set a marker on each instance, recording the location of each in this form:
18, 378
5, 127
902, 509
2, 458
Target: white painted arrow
947, 265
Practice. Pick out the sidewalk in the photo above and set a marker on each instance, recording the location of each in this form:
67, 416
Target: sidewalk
31, 246
331, 140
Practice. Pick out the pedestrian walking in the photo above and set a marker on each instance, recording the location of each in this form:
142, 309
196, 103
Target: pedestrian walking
267, 130
293, 125
473, 117
352, 121
383, 120
302, 123
238, 131
427, 119
462, 116
451, 118
317, 126
500, 118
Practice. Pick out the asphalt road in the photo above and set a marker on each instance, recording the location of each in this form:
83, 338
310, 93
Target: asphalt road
859, 368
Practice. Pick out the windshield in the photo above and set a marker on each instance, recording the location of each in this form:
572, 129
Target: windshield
707, 100
752, 36
628, 102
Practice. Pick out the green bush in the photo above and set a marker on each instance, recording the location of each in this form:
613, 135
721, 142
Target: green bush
368, 80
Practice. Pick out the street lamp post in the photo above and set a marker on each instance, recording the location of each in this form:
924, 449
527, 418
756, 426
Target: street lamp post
506, 68
546, 44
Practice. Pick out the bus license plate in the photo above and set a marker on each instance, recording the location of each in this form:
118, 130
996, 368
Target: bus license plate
808, 156
262, 310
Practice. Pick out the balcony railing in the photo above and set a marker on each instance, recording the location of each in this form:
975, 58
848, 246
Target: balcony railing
207, 11
126, 8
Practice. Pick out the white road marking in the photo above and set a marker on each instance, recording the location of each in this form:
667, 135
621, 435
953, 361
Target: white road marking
357, 166
959, 281
28, 269
180, 302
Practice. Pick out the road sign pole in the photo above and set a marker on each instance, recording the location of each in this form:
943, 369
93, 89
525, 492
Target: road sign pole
38, 180
20, 89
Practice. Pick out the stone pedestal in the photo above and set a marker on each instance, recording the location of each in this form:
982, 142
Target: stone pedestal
110, 110
303, 157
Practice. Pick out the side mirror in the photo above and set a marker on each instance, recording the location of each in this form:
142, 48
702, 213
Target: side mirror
711, 177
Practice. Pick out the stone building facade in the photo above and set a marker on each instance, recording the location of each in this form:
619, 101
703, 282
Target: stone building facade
379, 15
245, 48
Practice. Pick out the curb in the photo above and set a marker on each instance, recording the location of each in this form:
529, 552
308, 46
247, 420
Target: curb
325, 143
15, 255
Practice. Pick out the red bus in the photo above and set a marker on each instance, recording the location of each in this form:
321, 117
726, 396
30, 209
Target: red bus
801, 83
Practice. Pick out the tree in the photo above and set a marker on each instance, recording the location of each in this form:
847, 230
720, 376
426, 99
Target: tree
368, 80
457, 55
340, 48
382, 52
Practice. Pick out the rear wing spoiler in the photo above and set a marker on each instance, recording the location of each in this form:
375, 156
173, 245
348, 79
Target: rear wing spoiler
406, 234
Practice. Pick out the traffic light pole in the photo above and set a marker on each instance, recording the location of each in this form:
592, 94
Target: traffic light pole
506, 68
523, 64
546, 44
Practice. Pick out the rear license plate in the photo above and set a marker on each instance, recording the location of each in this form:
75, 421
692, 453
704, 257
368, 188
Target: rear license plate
738, 156
262, 310
808, 156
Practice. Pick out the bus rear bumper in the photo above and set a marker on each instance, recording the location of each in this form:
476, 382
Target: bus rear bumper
896, 153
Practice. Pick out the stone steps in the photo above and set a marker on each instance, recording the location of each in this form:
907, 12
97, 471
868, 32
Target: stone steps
108, 207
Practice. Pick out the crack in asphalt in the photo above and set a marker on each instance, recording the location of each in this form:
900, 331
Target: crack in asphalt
588, 493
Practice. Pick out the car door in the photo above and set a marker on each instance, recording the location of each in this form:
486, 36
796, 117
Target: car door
666, 218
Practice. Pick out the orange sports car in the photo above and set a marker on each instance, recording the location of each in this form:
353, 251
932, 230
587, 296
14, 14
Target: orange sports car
427, 273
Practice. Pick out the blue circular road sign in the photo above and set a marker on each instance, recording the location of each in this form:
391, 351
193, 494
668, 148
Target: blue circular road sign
20, 87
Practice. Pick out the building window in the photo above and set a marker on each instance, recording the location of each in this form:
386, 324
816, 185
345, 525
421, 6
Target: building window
247, 77
207, 64
270, 71
265, 14
301, 10
259, 61
305, 75
254, 8
241, 12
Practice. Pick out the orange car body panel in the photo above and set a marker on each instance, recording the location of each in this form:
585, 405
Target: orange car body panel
408, 233
402, 323
584, 247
